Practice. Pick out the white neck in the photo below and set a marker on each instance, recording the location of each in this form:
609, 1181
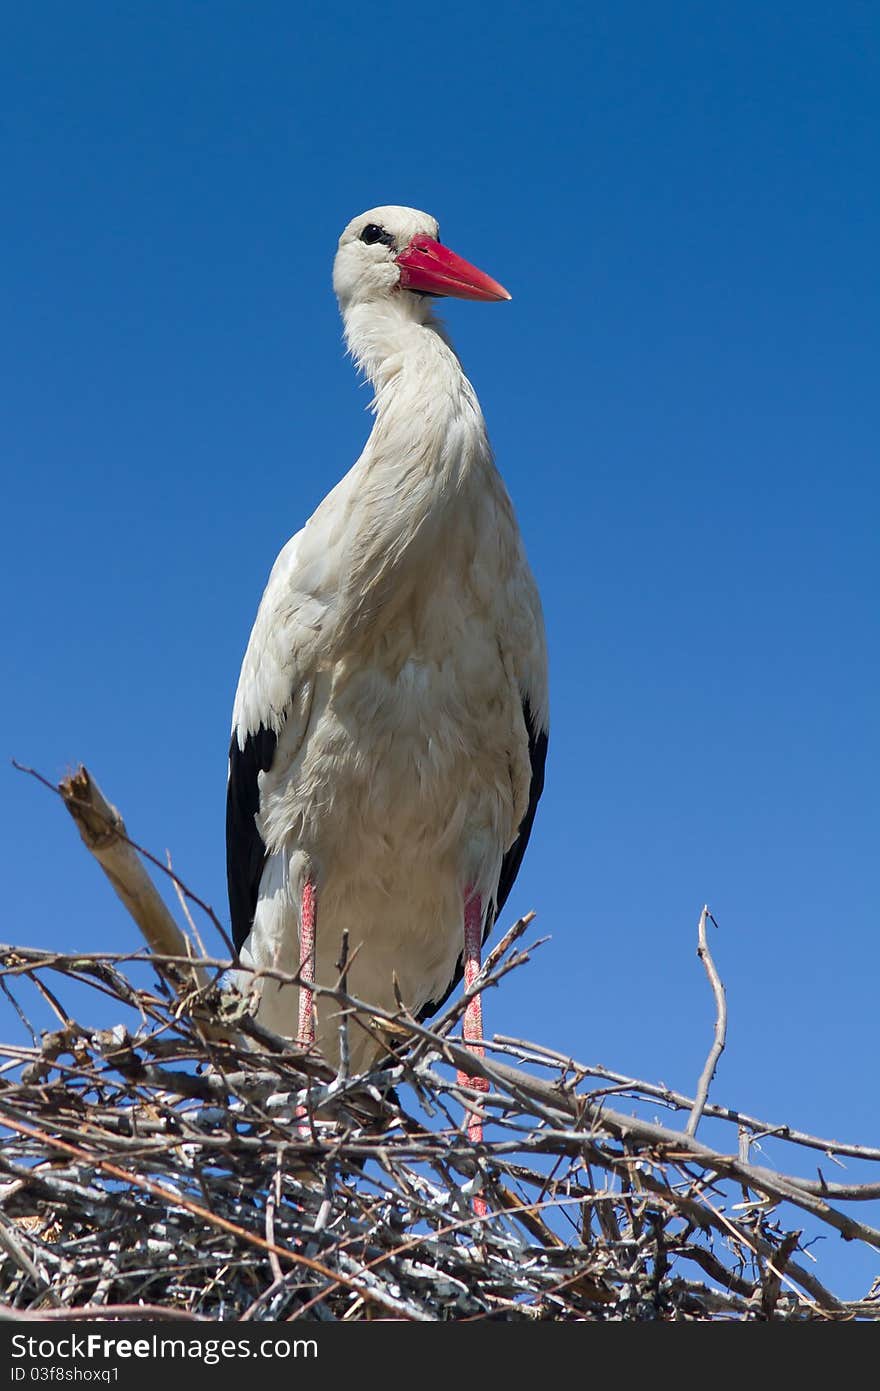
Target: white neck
405, 354
379, 334
427, 457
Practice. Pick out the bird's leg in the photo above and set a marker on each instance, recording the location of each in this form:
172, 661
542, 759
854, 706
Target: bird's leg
305, 1035
307, 921
472, 1025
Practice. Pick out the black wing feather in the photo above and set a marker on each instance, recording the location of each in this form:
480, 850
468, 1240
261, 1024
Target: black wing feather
538, 739
245, 851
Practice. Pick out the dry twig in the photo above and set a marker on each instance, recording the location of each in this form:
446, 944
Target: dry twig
720, 1035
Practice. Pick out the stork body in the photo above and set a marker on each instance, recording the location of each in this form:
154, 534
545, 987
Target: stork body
390, 722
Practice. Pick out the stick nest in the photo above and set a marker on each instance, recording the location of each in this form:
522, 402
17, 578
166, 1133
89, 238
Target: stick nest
185, 1163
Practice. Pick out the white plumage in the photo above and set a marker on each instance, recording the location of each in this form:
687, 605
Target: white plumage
390, 721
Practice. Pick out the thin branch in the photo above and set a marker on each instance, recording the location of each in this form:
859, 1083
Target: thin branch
720, 1035
344, 1049
103, 833
531, 1052
122, 834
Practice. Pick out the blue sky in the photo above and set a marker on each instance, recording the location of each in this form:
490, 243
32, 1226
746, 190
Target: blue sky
684, 203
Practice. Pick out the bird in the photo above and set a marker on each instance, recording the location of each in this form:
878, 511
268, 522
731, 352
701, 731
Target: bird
390, 724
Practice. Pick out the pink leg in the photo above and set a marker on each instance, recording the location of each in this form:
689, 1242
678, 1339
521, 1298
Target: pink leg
472, 1026
308, 918
306, 1032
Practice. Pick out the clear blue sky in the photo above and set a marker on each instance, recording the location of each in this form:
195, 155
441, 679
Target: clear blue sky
683, 396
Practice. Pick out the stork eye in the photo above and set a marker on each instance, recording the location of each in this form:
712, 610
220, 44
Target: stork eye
372, 234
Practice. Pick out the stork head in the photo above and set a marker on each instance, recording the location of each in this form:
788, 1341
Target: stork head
391, 251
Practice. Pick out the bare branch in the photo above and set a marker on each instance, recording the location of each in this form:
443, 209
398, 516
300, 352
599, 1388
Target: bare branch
720, 1024
120, 832
103, 833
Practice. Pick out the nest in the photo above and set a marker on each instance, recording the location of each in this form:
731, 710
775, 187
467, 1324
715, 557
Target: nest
185, 1163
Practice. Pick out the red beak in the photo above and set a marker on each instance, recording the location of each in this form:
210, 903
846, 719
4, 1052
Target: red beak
426, 265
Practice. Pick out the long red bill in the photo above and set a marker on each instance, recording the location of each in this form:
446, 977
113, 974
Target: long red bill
426, 265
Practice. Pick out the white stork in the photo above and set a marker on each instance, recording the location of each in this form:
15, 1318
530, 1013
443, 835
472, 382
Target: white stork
390, 723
